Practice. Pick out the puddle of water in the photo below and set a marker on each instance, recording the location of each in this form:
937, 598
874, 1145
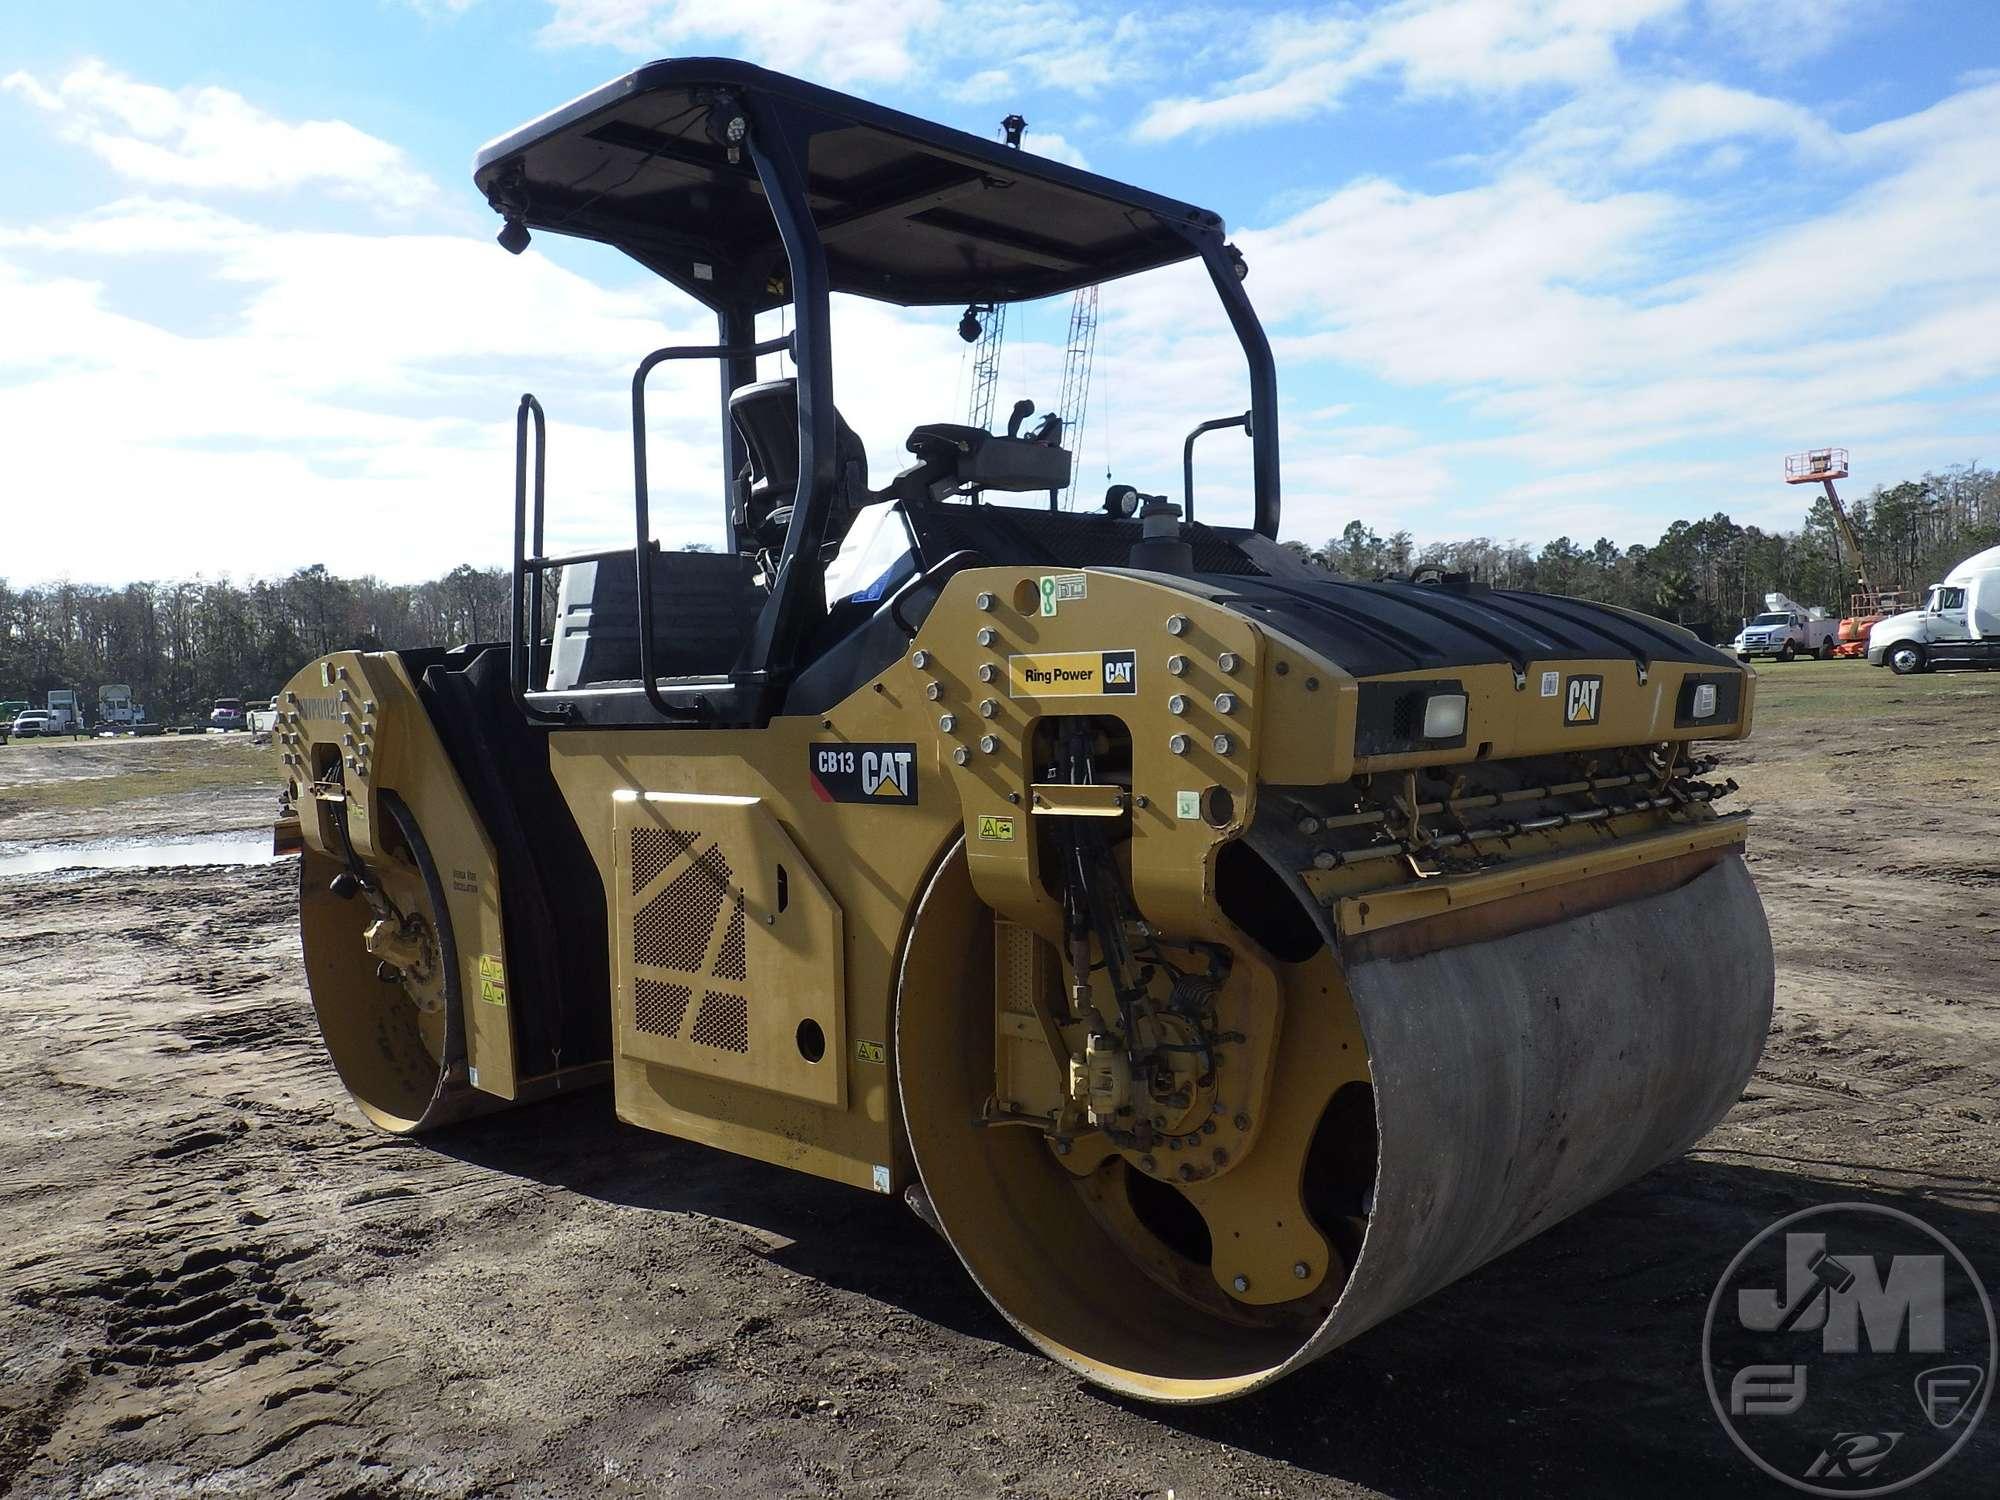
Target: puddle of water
252, 848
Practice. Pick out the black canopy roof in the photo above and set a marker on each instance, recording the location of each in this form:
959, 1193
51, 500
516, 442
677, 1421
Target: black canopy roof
908, 211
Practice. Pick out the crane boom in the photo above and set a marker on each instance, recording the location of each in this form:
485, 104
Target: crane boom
1851, 539
986, 366
1075, 398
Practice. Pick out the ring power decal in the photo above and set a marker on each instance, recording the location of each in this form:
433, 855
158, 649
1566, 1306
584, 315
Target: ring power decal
883, 774
1073, 674
1582, 699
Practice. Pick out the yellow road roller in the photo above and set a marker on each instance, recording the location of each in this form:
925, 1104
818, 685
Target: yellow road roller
1220, 955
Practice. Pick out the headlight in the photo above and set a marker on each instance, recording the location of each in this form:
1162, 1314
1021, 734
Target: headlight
1406, 717
1708, 700
1444, 716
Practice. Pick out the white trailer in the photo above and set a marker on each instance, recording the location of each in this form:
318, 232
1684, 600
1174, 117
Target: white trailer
1958, 626
65, 713
1787, 629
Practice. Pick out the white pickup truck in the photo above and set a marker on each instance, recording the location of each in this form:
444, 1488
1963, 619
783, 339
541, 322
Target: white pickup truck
1959, 625
1787, 629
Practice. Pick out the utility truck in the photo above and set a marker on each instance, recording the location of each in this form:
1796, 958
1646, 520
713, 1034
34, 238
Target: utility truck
1958, 626
116, 712
1785, 630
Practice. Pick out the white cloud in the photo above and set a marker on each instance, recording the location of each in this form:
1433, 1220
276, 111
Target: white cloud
1477, 47
1073, 46
1546, 315
1578, 355
352, 402
214, 140
1619, 129
823, 38
1782, 34
1051, 144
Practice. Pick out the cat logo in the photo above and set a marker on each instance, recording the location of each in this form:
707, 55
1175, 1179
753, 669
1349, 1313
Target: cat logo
1073, 674
1582, 700
886, 773
864, 773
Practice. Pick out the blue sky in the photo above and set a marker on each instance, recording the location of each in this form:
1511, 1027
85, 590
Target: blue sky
1532, 267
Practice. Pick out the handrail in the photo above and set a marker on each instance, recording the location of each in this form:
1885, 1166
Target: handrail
1226, 270
1215, 424
519, 651
641, 505
571, 559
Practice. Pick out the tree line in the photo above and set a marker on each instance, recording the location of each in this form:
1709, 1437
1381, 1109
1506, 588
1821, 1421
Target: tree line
1710, 575
181, 645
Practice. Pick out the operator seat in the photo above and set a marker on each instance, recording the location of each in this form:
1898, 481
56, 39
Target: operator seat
767, 419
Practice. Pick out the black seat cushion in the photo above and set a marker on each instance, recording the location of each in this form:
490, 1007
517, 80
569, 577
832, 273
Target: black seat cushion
767, 419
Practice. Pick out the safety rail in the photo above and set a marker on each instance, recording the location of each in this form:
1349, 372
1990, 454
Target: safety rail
519, 649
1820, 464
641, 504
531, 567
532, 563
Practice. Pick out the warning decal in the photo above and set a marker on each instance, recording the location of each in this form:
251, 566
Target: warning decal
492, 979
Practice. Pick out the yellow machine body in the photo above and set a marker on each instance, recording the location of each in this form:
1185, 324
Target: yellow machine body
1221, 955
795, 913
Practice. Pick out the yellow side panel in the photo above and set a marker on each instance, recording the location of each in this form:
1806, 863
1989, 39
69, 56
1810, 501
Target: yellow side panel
865, 856
367, 705
726, 947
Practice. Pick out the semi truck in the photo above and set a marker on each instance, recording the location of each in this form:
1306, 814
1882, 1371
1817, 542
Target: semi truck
1787, 629
1958, 625
116, 712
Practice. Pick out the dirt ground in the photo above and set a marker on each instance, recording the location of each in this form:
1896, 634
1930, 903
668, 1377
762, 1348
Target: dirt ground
215, 1280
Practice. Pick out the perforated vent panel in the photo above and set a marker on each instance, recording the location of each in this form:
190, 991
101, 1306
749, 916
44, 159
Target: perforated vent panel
722, 1022
1406, 720
673, 928
659, 1008
1014, 948
653, 849
728, 944
729, 957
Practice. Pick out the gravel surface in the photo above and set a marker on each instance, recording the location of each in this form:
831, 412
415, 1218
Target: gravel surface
215, 1280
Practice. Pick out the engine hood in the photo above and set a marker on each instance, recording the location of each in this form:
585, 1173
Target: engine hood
1374, 629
